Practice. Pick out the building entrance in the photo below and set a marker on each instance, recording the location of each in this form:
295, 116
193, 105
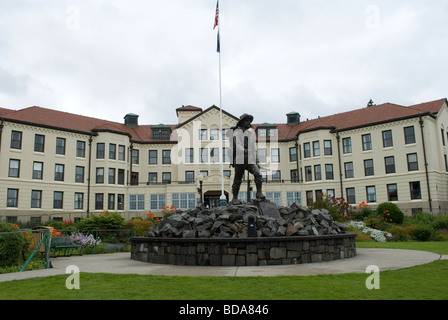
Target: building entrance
211, 198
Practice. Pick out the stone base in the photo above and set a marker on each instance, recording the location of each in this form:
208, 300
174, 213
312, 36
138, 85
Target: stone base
243, 252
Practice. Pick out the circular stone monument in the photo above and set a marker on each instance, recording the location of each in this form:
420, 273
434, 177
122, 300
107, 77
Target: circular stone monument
241, 235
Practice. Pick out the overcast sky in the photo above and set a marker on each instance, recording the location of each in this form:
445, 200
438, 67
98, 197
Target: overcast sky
108, 58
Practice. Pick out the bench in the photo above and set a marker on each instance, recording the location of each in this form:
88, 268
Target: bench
63, 244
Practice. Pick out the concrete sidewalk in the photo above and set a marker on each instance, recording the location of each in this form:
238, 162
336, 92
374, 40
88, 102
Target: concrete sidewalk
121, 263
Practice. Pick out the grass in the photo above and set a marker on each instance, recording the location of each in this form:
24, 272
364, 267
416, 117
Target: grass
425, 282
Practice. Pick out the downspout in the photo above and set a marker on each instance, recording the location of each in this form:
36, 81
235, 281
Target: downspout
88, 175
297, 159
1, 134
338, 137
426, 164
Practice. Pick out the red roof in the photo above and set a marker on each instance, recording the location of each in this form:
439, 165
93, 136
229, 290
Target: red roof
387, 112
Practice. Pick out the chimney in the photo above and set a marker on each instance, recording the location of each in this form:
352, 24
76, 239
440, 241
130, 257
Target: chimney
131, 120
293, 118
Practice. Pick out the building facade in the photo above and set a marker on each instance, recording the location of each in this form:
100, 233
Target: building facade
58, 165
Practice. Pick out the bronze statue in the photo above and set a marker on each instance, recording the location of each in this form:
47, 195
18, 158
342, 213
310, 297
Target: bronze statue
243, 155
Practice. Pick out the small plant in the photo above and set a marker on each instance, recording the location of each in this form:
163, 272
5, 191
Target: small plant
389, 212
84, 240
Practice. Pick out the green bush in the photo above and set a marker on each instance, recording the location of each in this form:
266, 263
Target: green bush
141, 226
422, 232
440, 222
402, 233
11, 245
105, 221
390, 213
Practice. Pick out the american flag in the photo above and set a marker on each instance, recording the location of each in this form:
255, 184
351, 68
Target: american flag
217, 15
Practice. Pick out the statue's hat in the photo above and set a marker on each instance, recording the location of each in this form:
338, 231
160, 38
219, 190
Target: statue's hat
246, 116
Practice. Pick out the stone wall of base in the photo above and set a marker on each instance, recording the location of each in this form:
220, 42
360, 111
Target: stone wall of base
243, 252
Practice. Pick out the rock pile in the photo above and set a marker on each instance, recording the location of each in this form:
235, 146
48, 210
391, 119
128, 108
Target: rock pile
232, 222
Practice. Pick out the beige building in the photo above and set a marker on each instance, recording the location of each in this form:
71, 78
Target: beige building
57, 165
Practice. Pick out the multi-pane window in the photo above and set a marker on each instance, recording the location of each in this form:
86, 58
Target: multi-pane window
317, 172
214, 155
415, 190
261, 153
203, 155
276, 175
134, 178
202, 134
184, 200
60, 146
152, 178
111, 201
36, 198
152, 156
347, 145
351, 198
166, 157
294, 197
189, 155
328, 149
214, 134
409, 135
39, 143
225, 155
371, 193
274, 197
16, 140
100, 149
387, 139
368, 167
224, 134
157, 201
189, 177
294, 175
275, 155
292, 154
389, 162
316, 149
329, 172
307, 150
121, 152
79, 200
349, 172
58, 197
99, 177
366, 142
12, 198
38, 170
99, 201
111, 176
412, 162
166, 177
14, 168
120, 176
79, 174
135, 156
392, 192
120, 201
112, 151
308, 173
59, 172
80, 149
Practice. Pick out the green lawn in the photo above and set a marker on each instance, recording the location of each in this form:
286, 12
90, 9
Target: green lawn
425, 282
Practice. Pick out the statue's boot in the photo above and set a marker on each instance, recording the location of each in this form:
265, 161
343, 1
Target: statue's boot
259, 194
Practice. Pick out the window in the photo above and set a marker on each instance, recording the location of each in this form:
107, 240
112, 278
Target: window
134, 178
275, 155
307, 150
224, 134
409, 135
112, 151
368, 167
366, 142
121, 152
189, 155
316, 149
161, 134
262, 158
184, 200
347, 145
60, 146
36, 198
100, 149
329, 172
412, 162
294, 197
214, 134
227, 173
202, 134
392, 192
390, 164
59, 172
294, 175
12, 198
203, 155
225, 155
99, 201
331, 193
16, 140
275, 197
120, 176
328, 149
99, 177
349, 173
80, 149
58, 197
264, 175
38, 170
351, 198
152, 156
111, 176
443, 136
308, 173
415, 190
14, 168
214, 155
189, 177
152, 178
111, 201
79, 174
371, 194
317, 172
166, 177
292, 154
157, 201
120, 201
166, 157
387, 139
79, 201
309, 198
39, 143
276, 175
319, 195
135, 156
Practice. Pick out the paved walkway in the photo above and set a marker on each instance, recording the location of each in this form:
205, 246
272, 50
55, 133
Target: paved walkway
121, 263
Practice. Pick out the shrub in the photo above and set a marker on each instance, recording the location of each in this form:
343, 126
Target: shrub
105, 221
11, 245
440, 222
141, 226
390, 212
402, 233
422, 232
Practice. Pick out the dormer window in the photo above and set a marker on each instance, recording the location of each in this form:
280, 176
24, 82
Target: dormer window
267, 131
161, 132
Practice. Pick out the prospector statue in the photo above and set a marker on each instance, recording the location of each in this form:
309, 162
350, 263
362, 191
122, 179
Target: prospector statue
243, 155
